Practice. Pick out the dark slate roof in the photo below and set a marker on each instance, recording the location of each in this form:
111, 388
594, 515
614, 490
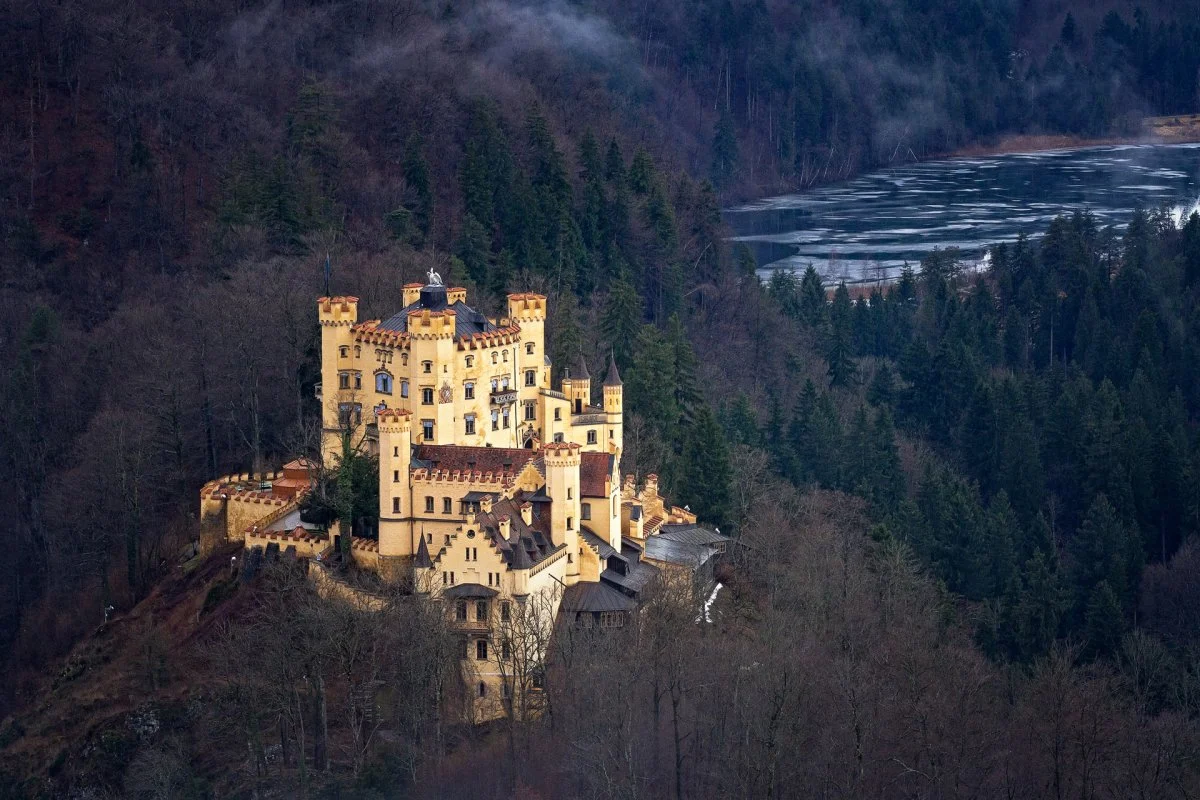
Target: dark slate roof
685, 554
463, 590
586, 596
526, 545
614, 377
467, 321
594, 470
423, 560
581, 371
634, 581
689, 533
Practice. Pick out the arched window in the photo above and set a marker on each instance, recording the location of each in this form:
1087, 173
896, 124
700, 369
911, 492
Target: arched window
404, 359
506, 356
495, 357
357, 350
470, 361
383, 383
344, 351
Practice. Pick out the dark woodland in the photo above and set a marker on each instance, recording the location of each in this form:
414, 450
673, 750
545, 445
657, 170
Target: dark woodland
968, 506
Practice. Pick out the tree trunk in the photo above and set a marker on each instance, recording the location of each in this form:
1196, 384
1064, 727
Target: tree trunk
320, 726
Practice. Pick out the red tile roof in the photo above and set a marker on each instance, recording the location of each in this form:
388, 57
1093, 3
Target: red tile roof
477, 459
594, 470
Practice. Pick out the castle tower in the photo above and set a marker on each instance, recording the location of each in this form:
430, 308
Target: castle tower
614, 406
337, 315
580, 391
395, 484
528, 310
562, 484
432, 329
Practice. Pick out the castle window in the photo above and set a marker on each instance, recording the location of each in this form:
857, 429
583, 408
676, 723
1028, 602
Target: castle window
427, 429
481, 649
529, 349
470, 361
591, 439
558, 437
570, 493
460, 610
469, 390
383, 383
505, 356
585, 511
481, 610
343, 380
531, 377
344, 351
505, 611
578, 406
358, 380
495, 358
610, 434
495, 384
558, 414
447, 505
482, 689
395, 505
404, 388
570, 523
506, 418
506, 691
504, 383
349, 414
395, 476
427, 367
357, 350
427, 396
612, 619
404, 359
505, 653
429, 505
396, 452
495, 420
530, 411
470, 425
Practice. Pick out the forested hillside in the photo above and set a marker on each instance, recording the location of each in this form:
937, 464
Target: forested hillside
992, 485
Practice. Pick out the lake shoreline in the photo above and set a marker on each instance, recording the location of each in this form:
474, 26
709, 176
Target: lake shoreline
1157, 131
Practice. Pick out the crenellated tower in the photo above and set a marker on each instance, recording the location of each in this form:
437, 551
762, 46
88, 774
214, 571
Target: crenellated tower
614, 406
562, 461
337, 316
395, 484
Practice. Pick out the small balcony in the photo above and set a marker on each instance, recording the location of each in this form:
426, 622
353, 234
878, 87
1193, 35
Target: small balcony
504, 397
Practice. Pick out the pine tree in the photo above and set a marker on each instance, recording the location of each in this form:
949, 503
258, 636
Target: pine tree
473, 249
742, 422
567, 336
840, 353
1038, 612
621, 319
641, 173
706, 472
1104, 622
813, 308
416, 178
725, 151
652, 369
686, 368
614, 163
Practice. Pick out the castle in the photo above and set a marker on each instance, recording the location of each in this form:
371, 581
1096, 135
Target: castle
497, 492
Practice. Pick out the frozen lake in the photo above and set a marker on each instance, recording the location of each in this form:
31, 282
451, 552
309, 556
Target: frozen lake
868, 228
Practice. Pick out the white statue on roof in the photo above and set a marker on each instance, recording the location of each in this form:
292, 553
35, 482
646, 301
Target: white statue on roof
434, 278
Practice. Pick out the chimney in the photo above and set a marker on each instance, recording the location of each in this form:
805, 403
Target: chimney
505, 527
651, 487
485, 504
527, 513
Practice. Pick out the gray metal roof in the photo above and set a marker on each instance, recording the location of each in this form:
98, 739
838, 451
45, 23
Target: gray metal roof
638, 577
686, 554
595, 597
691, 534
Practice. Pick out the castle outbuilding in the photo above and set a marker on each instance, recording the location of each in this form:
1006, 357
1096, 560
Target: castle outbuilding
497, 492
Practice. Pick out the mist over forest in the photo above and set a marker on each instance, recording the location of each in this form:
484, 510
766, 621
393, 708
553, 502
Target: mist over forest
966, 505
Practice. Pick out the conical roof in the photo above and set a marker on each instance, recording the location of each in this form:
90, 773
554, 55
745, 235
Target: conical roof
614, 377
581, 372
422, 561
520, 557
